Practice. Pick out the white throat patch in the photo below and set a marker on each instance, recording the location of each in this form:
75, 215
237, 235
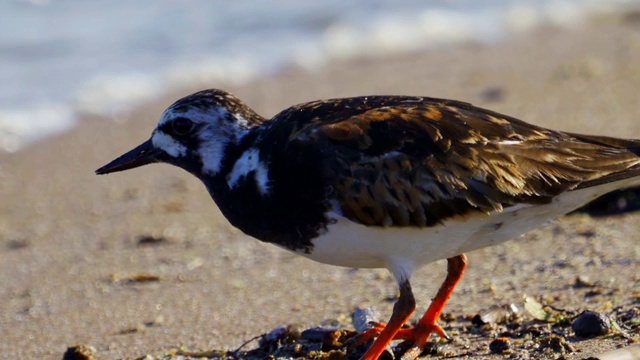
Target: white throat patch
247, 163
211, 150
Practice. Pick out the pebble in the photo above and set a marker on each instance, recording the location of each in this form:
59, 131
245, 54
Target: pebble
591, 323
79, 352
500, 346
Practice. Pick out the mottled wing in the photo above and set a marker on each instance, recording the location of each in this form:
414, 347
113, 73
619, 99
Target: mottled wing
417, 162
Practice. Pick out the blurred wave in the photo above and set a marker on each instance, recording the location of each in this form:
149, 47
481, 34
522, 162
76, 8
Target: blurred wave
58, 58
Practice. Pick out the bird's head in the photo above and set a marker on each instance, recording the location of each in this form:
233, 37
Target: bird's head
192, 134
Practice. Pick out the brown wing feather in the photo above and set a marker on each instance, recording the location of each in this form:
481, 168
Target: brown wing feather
420, 162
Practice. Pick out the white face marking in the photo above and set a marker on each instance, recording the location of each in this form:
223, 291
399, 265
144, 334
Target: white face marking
170, 145
215, 133
247, 163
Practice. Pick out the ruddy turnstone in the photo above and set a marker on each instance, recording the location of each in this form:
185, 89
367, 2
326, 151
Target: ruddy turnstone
390, 182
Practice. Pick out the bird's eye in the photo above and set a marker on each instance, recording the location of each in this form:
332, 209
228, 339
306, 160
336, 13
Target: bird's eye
182, 126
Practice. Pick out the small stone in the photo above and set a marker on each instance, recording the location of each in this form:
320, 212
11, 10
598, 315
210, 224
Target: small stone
555, 344
583, 282
500, 346
17, 244
150, 240
79, 352
591, 323
496, 315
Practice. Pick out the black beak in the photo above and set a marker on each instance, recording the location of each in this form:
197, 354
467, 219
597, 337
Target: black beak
143, 154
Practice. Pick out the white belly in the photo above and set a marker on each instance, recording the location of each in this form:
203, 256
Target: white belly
403, 249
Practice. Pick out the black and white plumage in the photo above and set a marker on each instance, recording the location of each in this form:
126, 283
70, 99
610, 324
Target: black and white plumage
383, 181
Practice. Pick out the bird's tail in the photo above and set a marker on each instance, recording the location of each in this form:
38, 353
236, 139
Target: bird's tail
631, 145
625, 167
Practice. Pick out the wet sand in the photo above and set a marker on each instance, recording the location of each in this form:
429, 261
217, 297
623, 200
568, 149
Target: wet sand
76, 249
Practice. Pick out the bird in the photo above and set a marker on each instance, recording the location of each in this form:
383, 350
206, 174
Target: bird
391, 182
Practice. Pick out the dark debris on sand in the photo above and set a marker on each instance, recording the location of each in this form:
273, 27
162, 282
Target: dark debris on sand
531, 331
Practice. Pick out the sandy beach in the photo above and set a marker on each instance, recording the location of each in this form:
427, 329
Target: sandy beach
142, 262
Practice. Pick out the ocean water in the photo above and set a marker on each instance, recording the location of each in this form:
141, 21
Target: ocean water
61, 57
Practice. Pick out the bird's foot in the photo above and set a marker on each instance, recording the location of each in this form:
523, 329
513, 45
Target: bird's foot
415, 338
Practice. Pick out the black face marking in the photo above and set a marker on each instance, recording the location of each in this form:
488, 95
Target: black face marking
183, 130
182, 126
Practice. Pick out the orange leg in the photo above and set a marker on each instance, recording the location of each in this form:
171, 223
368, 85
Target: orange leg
429, 322
419, 335
402, 310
